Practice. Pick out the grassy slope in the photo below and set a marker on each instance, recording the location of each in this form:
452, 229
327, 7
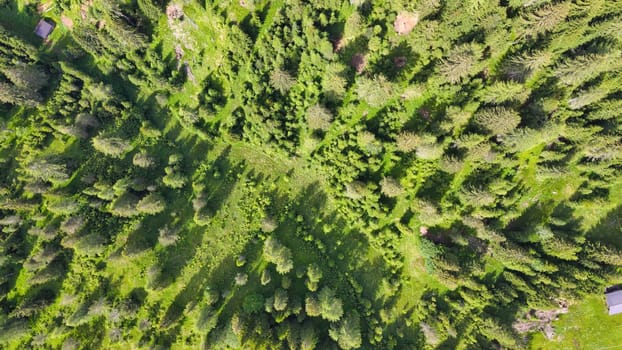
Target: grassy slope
586, 326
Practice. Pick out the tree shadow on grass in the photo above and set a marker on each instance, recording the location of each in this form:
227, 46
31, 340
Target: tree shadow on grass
399, 63
17, 247
609, 230
20, 23
532, 113
312, 237
220, 179
146, 236
37, 298
435, 186
404, 334
219, 185
193, 291
90, 335
520, 228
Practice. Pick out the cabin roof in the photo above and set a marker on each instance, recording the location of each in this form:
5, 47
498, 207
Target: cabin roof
614, 302
44, 29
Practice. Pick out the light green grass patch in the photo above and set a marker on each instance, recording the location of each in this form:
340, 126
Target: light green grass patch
586, 326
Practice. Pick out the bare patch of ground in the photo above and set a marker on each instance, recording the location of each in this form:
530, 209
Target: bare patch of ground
358, 62
44, 6
338, 44
541, 320
66, 21
405, 22
84, 8
174, 12
399, 61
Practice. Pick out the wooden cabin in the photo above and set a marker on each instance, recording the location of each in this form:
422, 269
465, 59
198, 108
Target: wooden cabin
614, 300
44, 29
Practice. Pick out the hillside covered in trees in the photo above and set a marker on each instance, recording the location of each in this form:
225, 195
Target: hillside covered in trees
297, 174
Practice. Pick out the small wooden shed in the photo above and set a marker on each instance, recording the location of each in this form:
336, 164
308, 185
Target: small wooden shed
614, 301
44, 29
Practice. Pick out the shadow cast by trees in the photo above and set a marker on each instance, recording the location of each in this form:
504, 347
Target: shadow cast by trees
219, 182
609, 229
401, 62
18, 247
314, 238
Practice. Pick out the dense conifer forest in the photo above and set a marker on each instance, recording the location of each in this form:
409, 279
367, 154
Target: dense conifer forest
297, 174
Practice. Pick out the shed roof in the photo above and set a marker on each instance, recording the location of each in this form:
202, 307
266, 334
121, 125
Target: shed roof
614, 302
44, 28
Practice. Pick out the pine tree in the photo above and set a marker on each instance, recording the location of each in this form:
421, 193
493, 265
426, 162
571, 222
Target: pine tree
407, 141
312, 306
143, 160
308, 336
545, 18
390, 187
174, 178
498, 120
604, 148
63, 206
150, 10
167, 236
330, 306
152, 203
280, 299
253, 303
577, 70
430, 151
319, 117
458, 64
314, 273
111, 146
278, 254
502, 91
124, 205
585, 98
522, 67
492, 330
72, 224
347, 333
333, 83
265, 277
12, 94
562, 249
281, 80
45, 170
375, 91
604, 254
27, 77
